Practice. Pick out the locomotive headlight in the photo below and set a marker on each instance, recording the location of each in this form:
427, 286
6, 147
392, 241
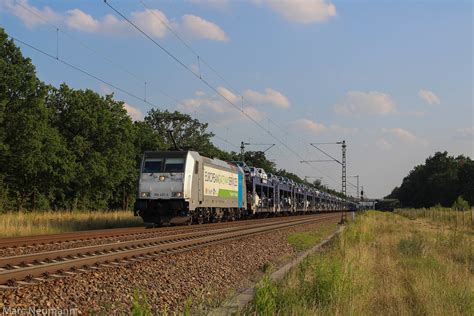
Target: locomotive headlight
162, 178
144, 194
178, 194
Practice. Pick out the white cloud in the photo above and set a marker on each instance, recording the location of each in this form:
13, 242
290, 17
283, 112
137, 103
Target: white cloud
466, 133
105, 89
413, 113
228, 94
199, 104
359, 103
217, 109
29, 15
195, 27
428, 96
405, 136
307, 125
213, 3
302, 11
383, 144
253, 113
343, 130
271, 97
133, 112
195, 69
109, 24
152, 21
79, 20
200, 93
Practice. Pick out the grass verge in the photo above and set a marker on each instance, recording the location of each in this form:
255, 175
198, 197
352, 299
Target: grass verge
39, 223
443, 215
383, 264
305, 240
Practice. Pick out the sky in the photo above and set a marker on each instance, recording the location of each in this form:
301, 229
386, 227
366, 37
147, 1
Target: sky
394, 79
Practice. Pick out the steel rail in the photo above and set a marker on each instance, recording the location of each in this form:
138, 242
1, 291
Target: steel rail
30, 271
12, 261
35, 240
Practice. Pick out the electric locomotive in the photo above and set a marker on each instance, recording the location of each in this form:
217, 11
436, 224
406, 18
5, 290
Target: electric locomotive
183, 187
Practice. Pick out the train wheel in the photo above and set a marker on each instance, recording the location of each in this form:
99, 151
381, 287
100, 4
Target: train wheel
191, 220
200, 220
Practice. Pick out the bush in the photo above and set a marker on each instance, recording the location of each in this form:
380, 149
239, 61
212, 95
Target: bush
460, 204
265, 297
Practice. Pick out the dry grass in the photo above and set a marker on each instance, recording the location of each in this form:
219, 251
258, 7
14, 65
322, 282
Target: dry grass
383, 264
442, 215
39, 223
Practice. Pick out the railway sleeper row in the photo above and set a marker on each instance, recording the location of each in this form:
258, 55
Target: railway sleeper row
37, 273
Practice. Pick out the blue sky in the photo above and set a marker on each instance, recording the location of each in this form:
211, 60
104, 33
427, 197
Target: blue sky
392, 78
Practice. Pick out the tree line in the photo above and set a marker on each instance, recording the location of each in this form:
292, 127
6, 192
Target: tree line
62, 148
442, 180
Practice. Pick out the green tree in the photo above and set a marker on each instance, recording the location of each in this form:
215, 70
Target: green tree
257, 159
441, 179
188, 132
466, 178
146, 139
100, 135
34, 160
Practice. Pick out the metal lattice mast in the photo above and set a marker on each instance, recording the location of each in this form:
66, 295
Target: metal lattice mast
358, 192
344, 176
243, 144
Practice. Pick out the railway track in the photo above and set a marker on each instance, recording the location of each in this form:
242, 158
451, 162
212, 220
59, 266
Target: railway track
60, 263
136, 232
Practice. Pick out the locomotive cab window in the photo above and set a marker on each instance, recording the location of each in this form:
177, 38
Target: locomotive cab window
152, 165
174, 165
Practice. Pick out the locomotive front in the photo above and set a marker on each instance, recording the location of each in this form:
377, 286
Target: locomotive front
162, 188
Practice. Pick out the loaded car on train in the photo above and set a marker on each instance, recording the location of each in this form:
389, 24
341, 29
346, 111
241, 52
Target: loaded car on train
184, 187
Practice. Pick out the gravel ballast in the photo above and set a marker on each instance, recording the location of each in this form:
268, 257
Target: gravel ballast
199, 277
142, 234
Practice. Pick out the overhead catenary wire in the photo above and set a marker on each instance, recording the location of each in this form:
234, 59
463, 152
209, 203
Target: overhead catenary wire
85, 72
202, 79
305, 160
102, 56
171, 55
189, 47
202, 60
144, 99
108, 60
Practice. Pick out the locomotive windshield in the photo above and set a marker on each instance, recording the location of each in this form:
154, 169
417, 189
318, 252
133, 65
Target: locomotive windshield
153, 165
158, 162
174, 165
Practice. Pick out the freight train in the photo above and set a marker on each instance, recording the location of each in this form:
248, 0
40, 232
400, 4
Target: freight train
184, 187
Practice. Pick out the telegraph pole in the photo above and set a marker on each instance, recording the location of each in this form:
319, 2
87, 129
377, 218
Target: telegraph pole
344, 178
